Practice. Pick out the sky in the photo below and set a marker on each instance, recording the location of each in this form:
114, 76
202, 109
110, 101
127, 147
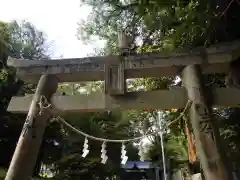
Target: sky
56, 18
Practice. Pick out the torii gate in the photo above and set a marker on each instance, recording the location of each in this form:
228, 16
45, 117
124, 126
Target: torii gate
115, 70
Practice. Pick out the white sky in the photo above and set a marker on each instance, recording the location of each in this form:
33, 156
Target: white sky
56, 18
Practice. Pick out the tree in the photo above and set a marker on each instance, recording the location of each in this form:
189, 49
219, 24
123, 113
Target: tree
28, 42
165, 25
25, 41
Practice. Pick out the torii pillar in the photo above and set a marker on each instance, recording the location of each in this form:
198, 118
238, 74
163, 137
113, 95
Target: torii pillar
25, 155
205, 129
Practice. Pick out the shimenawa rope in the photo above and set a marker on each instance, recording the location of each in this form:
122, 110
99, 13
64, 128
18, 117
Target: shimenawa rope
61, 120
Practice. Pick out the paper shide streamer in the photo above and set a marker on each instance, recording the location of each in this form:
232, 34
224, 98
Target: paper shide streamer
85, 148
140, 152
123, 154
104, 156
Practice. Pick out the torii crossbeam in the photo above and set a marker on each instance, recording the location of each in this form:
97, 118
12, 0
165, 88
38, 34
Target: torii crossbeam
214, 59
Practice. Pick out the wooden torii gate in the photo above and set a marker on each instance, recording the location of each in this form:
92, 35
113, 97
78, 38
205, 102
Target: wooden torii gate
114, 70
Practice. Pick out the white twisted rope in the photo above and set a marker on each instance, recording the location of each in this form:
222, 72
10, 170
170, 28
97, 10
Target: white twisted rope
60, 119
43, 104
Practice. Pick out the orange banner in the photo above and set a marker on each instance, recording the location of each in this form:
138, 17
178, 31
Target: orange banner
192, 155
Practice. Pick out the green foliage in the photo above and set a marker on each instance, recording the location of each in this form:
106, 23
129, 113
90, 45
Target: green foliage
27, 41
175, 148
164, 24
22, 41
5, 40
4, 171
